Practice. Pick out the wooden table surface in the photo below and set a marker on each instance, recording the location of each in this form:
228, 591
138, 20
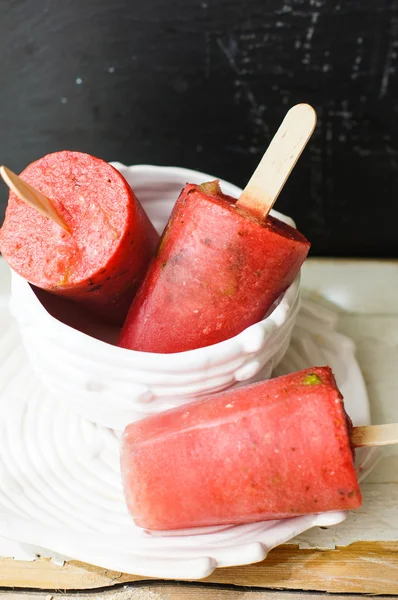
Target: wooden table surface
177, 592
357, 556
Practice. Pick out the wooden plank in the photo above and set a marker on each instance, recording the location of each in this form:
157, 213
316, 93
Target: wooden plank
180, 591
362, 567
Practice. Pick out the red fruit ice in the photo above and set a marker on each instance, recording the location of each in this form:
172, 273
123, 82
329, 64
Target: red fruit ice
217, 271
273, 450
103, 259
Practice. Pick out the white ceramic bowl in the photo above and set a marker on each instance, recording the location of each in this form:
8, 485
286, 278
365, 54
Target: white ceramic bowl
113, 386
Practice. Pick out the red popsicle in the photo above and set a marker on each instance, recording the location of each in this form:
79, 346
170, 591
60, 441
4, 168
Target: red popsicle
221, 264
272, 450
102, 259
216, 272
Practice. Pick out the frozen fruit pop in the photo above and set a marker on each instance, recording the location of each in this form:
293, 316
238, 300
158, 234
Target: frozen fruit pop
100, 260
216, 272
221, 264
273, 450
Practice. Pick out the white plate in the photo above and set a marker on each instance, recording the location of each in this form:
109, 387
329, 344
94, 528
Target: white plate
60, 493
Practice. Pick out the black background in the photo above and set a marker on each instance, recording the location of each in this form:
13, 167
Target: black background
204, 84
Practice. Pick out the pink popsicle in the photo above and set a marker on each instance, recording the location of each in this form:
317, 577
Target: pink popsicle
217, 271
272, 450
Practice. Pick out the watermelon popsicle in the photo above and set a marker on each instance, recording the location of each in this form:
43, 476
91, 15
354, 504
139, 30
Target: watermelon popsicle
273, 450
221, 263
100, 260
216, 272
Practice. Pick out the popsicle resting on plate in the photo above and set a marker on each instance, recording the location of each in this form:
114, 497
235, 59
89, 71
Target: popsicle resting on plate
273, 450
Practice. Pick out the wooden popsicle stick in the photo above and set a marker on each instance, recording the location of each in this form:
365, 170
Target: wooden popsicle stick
375, 435
31, 196
268, 179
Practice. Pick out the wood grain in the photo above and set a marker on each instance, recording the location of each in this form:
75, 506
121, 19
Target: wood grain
267, 181
31, 196
375, 435
363, 567
175, 592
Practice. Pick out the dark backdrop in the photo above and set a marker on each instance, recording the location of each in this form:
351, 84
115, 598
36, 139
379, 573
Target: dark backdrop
204, 84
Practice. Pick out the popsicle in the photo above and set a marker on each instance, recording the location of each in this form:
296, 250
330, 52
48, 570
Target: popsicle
95, 246
272, 450
221, 263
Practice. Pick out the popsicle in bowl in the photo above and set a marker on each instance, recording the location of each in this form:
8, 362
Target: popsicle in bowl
221, 263
95, 243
